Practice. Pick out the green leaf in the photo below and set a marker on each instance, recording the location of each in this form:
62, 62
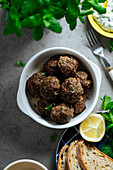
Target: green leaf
17, 4
72, 26
10, 28
4, 4
51, 23
86, 13
71, 88
8, 16
109, 105
107, 149
101, 1
18, 29
43, 73
53, 137
32, 21
20, 63
48, 108
109, 127
13, 13
57, 12
37, 33
72, 12
30, 7
106, 117
106, 99
111, 114
99, 8
110, 46
82, 19
87, 4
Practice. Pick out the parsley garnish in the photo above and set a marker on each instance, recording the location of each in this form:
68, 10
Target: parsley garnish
71, 88
20, 63
46, 91
53, 137
43, 73
48, 108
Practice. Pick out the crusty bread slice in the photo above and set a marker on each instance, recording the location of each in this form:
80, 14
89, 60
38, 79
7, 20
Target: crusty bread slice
72, 159
62, 164
90, 158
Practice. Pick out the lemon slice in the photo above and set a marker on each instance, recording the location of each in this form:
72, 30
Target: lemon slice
93, 128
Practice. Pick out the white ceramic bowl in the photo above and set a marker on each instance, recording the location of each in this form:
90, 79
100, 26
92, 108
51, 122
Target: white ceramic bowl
23, 163
36, 63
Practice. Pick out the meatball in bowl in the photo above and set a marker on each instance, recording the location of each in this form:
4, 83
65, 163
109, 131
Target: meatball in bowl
59, 87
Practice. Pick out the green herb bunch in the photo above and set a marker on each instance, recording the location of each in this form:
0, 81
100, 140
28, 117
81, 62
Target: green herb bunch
107, 105
37, 14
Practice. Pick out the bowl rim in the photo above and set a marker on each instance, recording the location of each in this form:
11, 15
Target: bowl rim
25, 161
95, 69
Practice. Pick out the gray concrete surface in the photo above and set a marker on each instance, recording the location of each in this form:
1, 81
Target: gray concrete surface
20, 136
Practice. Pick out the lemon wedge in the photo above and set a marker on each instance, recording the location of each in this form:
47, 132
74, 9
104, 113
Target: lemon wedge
93, 128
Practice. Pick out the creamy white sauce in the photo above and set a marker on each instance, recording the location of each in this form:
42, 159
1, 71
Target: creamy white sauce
105, 21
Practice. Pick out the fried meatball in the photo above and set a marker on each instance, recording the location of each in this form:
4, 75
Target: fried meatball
70, 89
83, 76
79, 105
33, 84
42, 107
51, 66
68, 65
61, 113
50, 87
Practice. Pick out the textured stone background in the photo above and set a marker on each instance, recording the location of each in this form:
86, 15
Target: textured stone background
20, 136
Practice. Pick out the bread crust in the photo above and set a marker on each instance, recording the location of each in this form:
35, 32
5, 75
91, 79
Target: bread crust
69, 155
63, 151
80, 154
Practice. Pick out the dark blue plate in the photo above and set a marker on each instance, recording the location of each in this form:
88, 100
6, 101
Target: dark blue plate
72, 134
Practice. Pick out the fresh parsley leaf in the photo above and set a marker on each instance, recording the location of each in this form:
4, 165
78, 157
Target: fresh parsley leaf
53, 137
71, 88
20, 63
46, 91
111, 46
48, 108
43, 73
107, 149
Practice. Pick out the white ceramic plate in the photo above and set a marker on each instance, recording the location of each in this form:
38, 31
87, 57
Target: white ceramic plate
35, 64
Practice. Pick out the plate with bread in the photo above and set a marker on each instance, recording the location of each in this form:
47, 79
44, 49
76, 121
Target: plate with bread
75, 153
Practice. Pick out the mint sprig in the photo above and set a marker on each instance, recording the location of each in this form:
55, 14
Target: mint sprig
38, 14
107, 105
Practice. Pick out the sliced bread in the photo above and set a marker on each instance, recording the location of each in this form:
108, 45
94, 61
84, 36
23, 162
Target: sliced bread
62, 164
72, 159
90, 158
